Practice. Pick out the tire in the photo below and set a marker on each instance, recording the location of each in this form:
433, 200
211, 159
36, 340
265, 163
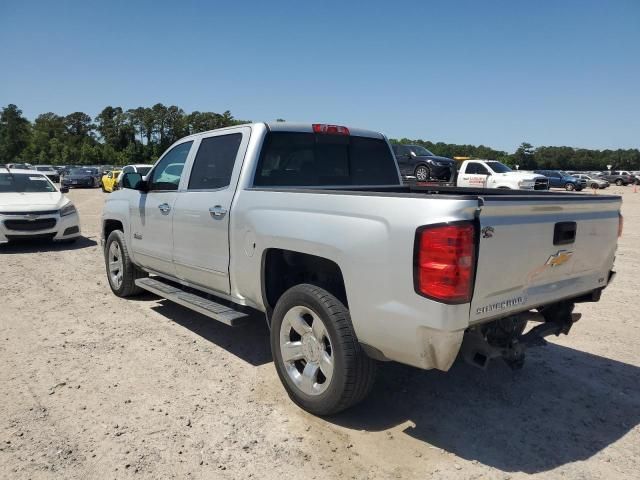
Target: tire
350, 372
128, 272
619, 182
595, 186
422, 173
569, 187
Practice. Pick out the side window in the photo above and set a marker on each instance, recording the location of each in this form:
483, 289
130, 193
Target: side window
166, 174
127, 169
214, 162
476, 169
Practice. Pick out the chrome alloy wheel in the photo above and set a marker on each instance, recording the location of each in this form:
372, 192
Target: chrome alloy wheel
116, 266
422, 173
306, 350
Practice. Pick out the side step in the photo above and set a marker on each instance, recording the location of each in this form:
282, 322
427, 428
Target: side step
200, 304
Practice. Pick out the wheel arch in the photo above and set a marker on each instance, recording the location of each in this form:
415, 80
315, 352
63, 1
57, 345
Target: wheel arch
282, 269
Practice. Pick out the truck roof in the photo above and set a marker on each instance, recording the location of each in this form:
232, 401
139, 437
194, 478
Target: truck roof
295, 127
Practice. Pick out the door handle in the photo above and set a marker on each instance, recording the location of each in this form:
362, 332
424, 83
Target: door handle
218, 211
164, 208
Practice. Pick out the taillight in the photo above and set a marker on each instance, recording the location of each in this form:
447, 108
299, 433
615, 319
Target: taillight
330, 129
620, 224
445, 262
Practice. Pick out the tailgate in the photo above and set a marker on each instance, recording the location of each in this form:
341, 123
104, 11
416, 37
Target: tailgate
537, 250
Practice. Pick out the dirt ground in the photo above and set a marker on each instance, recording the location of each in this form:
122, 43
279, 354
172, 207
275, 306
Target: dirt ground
94, 386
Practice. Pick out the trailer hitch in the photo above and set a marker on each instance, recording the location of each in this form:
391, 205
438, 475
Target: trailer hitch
504, 338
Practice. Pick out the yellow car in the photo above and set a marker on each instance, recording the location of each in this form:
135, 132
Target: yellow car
109, 180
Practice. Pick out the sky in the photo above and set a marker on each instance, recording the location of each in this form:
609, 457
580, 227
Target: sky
496, 73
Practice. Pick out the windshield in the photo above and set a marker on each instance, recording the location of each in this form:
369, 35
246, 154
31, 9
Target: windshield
421, 151
24, 183
82, 171
143, 170
499, 167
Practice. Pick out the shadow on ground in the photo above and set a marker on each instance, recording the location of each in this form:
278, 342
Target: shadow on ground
564, 406
39, 245
249, 342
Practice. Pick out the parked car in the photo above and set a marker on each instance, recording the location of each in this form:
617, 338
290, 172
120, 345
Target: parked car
49, 171
142, 169
592, 181
617, 178
493, 174
633, 178
416, 161
561, 179
81, 177
31, 206
109, 180
19, 166
311, 226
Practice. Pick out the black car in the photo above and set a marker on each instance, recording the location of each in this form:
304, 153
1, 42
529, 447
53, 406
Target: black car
416, 161
81, 177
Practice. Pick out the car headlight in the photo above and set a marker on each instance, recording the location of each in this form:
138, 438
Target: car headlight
68, 209
525, 183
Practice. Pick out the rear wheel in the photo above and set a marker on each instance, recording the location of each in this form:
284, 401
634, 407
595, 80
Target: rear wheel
121, 271
316, 353
423, 173
595, 186
569, 187
619, 182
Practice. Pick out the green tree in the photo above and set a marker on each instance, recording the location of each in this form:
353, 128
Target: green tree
15, 133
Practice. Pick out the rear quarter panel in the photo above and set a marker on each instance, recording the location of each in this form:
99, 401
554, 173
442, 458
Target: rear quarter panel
370, 237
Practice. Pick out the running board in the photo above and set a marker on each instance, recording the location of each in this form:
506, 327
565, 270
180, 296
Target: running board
217, 311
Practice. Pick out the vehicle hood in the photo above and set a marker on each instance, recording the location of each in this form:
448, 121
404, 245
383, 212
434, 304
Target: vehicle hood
436, 159
31, 202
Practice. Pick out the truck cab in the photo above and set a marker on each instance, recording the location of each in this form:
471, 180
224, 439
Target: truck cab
493, 174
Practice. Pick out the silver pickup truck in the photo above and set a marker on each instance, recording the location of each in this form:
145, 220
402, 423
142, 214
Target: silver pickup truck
310, 227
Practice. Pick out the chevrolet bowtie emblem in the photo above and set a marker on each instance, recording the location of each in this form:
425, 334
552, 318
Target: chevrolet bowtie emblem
559, 258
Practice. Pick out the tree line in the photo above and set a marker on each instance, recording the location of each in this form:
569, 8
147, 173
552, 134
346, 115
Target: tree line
140, 135
545, 158
114, 137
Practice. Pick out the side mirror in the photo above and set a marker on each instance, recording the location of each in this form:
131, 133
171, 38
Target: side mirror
133, 181
411, 155
64, 189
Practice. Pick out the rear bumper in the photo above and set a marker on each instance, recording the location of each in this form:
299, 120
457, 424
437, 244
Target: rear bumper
77, 183
65, 228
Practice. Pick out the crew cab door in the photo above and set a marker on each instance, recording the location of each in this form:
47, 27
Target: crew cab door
537, 250
152, 213
474, 174
202, 210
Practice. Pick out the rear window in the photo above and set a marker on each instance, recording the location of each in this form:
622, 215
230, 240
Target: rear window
309, 159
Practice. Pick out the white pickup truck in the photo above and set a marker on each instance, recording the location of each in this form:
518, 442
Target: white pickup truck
493, 174
310, 227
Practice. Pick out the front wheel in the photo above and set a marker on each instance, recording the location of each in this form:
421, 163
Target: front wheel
595, 186
422, 173
569, 187
121, 271
316, 353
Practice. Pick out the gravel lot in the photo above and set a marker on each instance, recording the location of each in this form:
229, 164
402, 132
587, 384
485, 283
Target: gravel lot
99, 387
